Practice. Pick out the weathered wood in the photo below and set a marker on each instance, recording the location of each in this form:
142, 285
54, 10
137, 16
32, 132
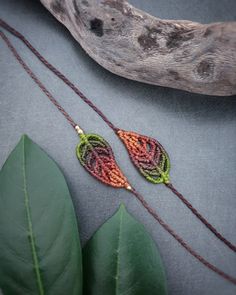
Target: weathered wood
133, 44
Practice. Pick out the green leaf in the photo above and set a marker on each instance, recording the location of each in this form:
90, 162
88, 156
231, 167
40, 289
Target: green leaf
122, 259
39, 244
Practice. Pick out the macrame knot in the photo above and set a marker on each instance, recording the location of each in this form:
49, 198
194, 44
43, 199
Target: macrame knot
148, 155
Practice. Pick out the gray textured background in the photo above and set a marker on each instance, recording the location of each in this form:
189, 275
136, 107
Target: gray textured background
197, 131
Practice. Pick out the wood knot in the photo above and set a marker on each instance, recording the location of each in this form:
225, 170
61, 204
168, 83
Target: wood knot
177, 37
205, 68
96, 26
149, 40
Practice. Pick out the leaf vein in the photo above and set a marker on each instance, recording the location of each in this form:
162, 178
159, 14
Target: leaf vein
30, 228
59, 230
118, 255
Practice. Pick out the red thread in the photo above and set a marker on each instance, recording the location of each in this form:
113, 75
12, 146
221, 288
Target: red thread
97, 157
135, 193
148, 156
152, 161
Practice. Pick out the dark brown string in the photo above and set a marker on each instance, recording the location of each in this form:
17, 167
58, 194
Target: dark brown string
109, 123
135, 193
181, 241
57, 73
199, 216
37, 81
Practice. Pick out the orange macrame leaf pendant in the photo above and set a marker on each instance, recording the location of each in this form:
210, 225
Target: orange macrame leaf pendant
148, 155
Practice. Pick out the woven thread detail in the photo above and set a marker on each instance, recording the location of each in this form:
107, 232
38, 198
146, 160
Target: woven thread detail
148, 156
115, 129
96, 156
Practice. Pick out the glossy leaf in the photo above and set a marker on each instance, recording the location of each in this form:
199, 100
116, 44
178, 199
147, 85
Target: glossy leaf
96, 155
121, 258
39, 246
148, 155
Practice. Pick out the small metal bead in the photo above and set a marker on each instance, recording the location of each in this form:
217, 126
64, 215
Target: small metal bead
129, 188
79, 130
166, 179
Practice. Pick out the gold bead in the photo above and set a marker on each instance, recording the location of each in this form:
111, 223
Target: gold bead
129, 187
79, 130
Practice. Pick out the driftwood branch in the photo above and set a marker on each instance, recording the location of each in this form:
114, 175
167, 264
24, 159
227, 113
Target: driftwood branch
133, 44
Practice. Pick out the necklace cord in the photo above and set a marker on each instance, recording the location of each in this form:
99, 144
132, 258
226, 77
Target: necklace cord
133, 191
181, 241
109, 123
200, 217
37, 81
57, 73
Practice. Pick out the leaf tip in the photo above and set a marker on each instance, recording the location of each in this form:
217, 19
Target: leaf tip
25, 141
122, 207
24, 137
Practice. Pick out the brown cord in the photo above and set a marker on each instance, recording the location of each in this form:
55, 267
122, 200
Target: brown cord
57, 73
37, 81
135, 193
181, 241
109, 123
199, 216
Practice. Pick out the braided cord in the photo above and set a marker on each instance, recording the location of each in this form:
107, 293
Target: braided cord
181, 241
110, 124
200, 217
37, 81
57, 73
132, 190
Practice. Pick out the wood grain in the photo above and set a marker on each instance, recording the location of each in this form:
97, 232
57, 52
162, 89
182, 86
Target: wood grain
186, 55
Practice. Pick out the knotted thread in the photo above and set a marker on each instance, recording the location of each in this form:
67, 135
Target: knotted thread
73, 124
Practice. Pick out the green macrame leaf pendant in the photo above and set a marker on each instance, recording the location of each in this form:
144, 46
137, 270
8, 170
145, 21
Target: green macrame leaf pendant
97, 157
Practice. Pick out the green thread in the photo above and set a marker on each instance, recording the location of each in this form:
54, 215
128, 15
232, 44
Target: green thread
161, 172
86, 143
96, 156
148, 155
83, 136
